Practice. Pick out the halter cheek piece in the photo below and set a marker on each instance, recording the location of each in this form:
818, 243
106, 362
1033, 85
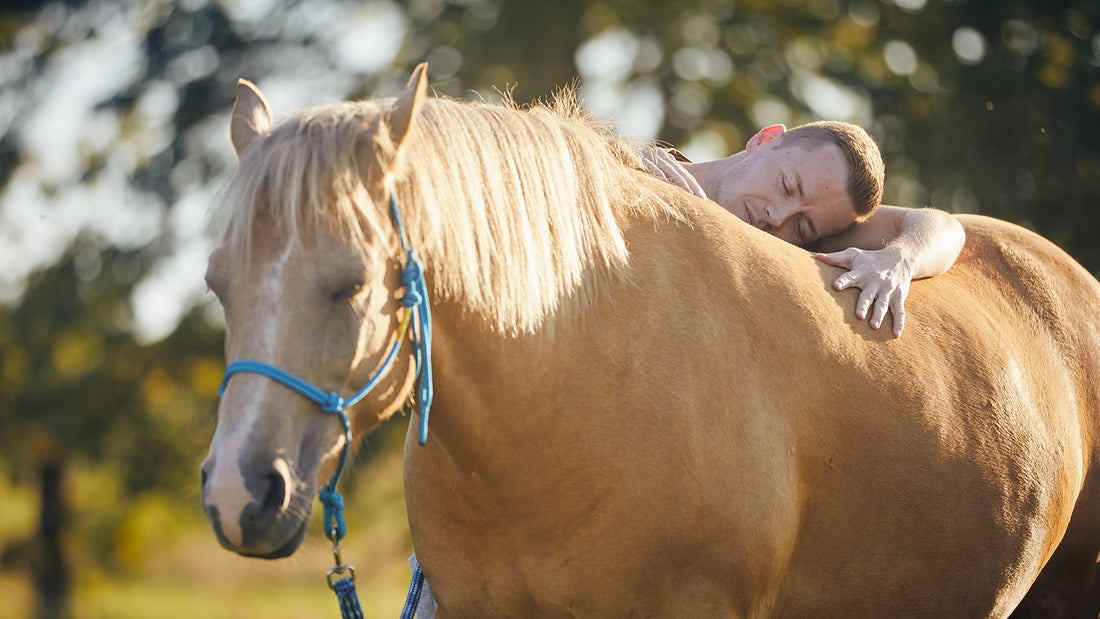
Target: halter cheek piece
418, 312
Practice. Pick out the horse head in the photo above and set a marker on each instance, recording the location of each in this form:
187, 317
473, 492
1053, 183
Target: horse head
308, 277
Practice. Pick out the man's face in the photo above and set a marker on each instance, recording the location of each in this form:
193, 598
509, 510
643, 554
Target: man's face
794, 193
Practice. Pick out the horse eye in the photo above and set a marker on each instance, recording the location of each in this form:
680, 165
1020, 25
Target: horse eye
346, 292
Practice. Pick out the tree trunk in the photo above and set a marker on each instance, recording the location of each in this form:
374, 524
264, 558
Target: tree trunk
50, 570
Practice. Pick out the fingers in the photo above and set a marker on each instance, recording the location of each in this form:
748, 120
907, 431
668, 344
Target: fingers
879, 305
843, 259
653, 168
694, 186
846, 280
882, 282
863, 304
878, 312
664, 166
680, 177
897, 308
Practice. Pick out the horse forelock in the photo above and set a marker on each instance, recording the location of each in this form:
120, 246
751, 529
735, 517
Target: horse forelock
302, 176
516, 212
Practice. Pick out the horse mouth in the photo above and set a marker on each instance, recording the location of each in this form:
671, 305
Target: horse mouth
277, 542
285, 550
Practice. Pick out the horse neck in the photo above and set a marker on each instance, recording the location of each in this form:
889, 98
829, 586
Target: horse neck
496, 391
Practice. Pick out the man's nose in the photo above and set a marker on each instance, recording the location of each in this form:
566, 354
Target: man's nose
775, 215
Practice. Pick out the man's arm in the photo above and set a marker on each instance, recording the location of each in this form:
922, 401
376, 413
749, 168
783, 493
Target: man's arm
885, 252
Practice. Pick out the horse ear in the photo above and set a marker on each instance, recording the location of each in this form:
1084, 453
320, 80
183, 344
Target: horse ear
251, 116
404, 111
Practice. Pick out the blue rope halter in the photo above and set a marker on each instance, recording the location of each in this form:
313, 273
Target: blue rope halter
415, 301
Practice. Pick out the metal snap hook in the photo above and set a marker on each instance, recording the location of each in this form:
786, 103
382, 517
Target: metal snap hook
340, 568
339, 571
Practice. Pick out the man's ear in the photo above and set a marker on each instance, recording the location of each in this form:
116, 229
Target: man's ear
767, 134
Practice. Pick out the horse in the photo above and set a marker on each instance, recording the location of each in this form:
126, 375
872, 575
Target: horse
642, 405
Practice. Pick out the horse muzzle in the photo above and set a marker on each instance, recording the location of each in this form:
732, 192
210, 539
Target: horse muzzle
256, 510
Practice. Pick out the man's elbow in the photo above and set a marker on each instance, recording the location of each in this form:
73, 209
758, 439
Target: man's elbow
951, 237
954, 232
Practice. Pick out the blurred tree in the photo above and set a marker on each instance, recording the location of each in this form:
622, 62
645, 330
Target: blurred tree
78, 384
978, 106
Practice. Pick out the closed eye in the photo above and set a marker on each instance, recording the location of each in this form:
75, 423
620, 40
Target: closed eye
806, 230
346, 291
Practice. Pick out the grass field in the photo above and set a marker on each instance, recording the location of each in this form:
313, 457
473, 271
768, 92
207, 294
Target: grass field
183, 573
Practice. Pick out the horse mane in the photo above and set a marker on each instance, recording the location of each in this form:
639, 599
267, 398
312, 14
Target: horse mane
516, 212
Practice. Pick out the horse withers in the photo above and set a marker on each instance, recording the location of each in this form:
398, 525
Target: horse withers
644, 406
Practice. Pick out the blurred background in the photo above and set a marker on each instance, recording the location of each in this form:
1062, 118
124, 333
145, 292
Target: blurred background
113, 142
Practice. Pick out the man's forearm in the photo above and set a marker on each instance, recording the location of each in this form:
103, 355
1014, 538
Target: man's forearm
930, 240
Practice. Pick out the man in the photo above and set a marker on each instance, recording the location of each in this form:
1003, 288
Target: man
819, 186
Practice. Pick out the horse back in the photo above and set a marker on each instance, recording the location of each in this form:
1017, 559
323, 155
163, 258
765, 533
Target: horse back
941, 470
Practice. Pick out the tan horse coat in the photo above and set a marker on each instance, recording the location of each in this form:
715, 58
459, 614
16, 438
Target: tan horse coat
730, 441
713, 433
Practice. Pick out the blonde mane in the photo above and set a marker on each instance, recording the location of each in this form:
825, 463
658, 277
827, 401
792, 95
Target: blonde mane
516, 213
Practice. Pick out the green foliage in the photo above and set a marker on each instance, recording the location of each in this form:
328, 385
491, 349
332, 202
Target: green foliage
978, 106
73, 371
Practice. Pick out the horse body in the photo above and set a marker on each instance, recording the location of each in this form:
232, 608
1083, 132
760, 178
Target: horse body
763, 455
692, 423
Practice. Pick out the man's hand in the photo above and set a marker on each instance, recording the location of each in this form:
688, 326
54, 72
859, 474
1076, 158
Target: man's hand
660, 163
883, 275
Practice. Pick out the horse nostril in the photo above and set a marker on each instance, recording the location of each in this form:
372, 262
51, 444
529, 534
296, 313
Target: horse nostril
266, 514
275, 496
263, 514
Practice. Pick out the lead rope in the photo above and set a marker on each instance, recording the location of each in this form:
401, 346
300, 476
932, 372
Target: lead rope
416, 294
335, 529
412, 600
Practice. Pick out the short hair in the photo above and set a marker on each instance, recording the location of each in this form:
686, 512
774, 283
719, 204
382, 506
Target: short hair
866, 171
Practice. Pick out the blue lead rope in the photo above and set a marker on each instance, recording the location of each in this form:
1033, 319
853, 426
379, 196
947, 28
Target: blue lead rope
349, 601
415, 300
412, 600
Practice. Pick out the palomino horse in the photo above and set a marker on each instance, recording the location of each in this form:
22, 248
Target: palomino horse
643, 406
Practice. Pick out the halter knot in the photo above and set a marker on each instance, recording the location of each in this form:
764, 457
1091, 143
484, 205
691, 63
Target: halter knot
411, 298
333, 517
331, 403
411, 276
